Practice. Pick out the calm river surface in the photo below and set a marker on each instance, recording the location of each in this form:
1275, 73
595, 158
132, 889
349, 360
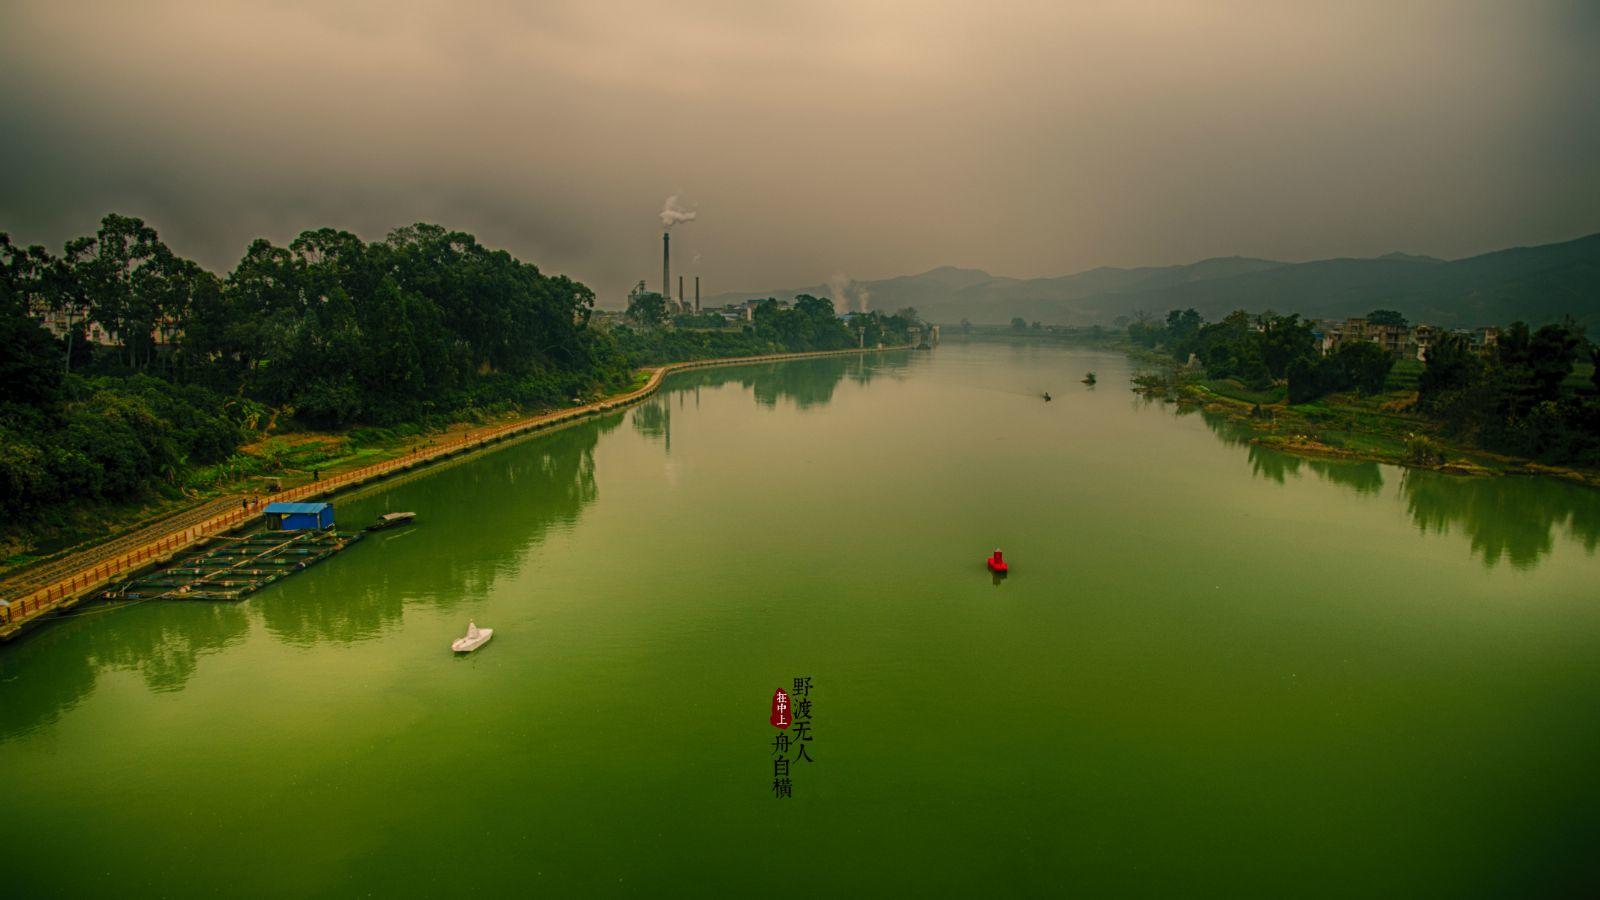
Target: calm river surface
1213, 671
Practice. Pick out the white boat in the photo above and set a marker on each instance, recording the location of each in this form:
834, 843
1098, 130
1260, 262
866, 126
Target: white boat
476, 637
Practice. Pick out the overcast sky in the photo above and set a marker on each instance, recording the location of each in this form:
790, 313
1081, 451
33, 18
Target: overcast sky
811, 139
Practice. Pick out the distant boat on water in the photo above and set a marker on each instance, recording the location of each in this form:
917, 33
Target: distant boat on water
392, 520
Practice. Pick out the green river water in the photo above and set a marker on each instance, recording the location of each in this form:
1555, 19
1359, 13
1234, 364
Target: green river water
1213, 671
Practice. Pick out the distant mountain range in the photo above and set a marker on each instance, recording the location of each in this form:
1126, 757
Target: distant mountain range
1534, 284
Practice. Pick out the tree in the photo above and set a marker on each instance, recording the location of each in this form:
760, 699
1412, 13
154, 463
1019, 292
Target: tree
125, 283
966, 326
1529, 367
67, 289
1362, 365
1306, 379
1358, 365
29, 367
1018, 323
330, 330
263, 302
1450, 366
1386, 317
1145, 331
1551, 354
19, 277
648, 308
818, 308
1182, 325
1282, 340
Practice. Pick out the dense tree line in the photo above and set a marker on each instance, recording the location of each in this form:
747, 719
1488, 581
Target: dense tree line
328, 331
1511, 399
886, 328
1508, 398
1361, 366
1257, 351
810, 323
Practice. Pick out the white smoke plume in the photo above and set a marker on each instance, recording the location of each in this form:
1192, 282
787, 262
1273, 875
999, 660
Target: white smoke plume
673, 214
839, 286
843, 288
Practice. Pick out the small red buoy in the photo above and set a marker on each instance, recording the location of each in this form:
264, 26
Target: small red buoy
997, 563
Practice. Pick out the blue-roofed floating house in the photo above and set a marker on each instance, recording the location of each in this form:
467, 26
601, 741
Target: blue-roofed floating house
299, 516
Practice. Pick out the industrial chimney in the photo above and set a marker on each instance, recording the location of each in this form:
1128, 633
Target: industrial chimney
666, 265
697, 295
680, 292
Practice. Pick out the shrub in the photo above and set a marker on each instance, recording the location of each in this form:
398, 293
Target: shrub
1422, 451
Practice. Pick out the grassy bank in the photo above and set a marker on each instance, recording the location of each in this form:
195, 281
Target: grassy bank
266, 464
1385, 427
257, 469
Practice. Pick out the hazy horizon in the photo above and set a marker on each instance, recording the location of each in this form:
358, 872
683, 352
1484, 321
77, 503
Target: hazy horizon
813, 144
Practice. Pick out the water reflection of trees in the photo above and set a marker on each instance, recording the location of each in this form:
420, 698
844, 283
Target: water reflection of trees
1271, 465
806, 383
476, 521
467, 539
53, 670
653, 419
1363, 477
1510, 518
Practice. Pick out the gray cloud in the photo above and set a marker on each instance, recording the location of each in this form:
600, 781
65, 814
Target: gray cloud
876, 139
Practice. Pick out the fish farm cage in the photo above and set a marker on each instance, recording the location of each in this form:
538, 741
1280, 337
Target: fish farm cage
242, 566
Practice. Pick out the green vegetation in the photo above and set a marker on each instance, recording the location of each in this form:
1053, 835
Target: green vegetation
810, 324
699, 320
327, 332
106, 438
1256, 351
1513, 400
1361, 366
647, 308
373, 342
1524, 396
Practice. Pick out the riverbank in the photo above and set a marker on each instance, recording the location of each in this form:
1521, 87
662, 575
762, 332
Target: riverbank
829, 519
1383, 428
84, 572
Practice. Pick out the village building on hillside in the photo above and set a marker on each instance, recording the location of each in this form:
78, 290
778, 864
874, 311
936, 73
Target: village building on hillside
1401, 341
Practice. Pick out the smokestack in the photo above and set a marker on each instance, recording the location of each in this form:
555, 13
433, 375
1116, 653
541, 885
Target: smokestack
697, 295
666, 266
680, 290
